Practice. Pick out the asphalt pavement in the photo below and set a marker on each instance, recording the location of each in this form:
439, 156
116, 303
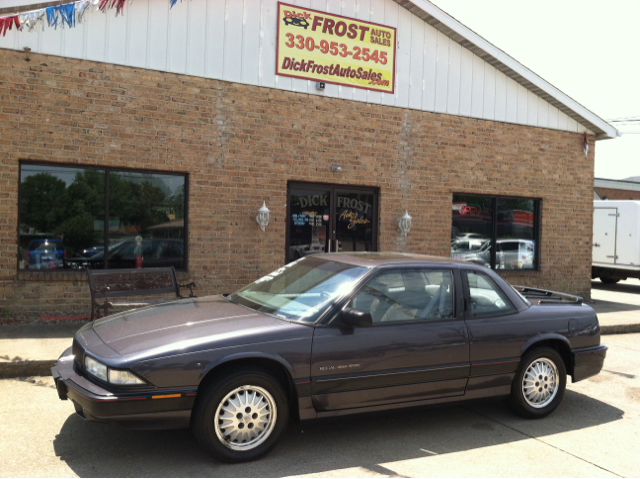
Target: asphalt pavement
593, 433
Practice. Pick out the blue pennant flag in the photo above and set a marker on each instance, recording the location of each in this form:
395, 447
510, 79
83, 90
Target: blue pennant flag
52, 17
65, 13
68, 14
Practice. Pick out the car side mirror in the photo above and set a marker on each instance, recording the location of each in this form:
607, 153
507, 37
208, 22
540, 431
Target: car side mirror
355, 318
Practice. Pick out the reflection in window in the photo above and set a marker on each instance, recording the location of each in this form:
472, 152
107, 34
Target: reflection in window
308, 222
472, 229
515, 241
63, 225
146, 220
507, 225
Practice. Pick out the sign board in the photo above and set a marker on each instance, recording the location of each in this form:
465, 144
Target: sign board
319, 46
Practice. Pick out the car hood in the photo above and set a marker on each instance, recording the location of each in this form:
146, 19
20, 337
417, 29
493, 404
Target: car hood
188, 325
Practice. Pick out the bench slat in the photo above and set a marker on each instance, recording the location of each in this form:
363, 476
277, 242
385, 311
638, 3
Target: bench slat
106, 284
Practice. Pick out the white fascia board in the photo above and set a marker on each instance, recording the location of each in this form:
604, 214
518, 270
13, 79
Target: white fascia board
616, 184
509, 66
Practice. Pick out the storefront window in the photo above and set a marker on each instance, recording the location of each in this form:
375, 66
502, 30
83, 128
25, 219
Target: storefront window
497, 233
64, 224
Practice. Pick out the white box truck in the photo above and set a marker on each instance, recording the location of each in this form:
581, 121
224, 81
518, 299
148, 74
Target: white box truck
616, 240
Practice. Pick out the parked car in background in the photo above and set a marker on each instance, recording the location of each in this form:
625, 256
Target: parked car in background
469, 236
156, 253
462, 246
515, 254
88, 252
510, 254
326, 336
45, 254
481, 256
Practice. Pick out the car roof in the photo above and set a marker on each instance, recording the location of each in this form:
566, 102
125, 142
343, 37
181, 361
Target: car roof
382, 258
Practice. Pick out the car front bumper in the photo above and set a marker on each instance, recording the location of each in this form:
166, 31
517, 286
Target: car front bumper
148, 409
588, 362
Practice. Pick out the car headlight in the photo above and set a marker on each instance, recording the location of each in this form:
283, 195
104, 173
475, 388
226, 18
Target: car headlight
113, 376
123, 377
95, 368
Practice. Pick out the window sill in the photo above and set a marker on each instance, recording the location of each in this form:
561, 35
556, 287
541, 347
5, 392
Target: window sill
62, 275
517, 271
69, 275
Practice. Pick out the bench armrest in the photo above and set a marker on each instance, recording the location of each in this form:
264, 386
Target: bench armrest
188, 285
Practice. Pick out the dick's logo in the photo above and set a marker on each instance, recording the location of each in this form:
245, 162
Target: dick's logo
296, 19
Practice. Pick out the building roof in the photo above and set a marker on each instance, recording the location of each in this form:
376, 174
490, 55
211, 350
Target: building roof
509, 66
617, 184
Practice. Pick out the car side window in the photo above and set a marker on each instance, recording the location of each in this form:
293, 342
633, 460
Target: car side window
486, 297
407, 295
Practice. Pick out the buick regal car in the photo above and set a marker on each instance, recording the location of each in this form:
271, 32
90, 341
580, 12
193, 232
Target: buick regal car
329, 335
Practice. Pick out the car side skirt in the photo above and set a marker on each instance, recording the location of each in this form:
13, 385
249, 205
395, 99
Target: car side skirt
498, 385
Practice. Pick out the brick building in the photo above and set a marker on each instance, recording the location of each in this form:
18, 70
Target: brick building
158, 135
616, 189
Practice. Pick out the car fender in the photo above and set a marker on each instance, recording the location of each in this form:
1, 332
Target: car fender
544, 337
246, 355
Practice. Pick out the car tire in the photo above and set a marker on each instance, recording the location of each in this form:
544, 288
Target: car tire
608, 280
240, 416
539, 384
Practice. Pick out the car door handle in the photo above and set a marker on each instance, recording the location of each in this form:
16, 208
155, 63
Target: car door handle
596, 245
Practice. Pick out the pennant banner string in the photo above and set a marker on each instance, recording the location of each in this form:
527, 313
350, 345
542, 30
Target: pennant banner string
68, 14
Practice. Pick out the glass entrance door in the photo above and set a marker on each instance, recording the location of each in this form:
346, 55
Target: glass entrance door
328, 219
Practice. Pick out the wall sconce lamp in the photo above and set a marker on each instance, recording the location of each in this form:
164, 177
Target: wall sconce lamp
264, 215
404, 223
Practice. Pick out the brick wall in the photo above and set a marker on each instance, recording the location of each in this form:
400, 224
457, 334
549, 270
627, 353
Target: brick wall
618, 194
240, 145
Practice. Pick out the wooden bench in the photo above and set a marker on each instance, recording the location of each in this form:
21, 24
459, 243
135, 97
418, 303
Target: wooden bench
118, 283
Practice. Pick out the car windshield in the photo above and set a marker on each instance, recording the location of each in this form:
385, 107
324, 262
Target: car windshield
300, 291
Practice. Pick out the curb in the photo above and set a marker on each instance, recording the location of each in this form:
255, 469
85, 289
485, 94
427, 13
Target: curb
19, 369
620, 329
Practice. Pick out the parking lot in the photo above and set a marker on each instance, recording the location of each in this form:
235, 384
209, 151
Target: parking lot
593, 433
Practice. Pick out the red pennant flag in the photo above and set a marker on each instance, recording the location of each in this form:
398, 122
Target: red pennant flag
6, 23
118, 4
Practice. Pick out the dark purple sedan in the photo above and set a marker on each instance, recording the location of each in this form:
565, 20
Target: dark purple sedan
329, 335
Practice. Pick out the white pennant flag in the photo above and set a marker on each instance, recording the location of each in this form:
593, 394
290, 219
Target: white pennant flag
81, 9
31, 20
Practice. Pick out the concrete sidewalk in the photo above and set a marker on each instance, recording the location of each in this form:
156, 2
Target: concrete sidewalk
617, 305
31, 350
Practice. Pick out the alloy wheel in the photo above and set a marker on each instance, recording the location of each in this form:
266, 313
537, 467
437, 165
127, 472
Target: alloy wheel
245, 418
540, 383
